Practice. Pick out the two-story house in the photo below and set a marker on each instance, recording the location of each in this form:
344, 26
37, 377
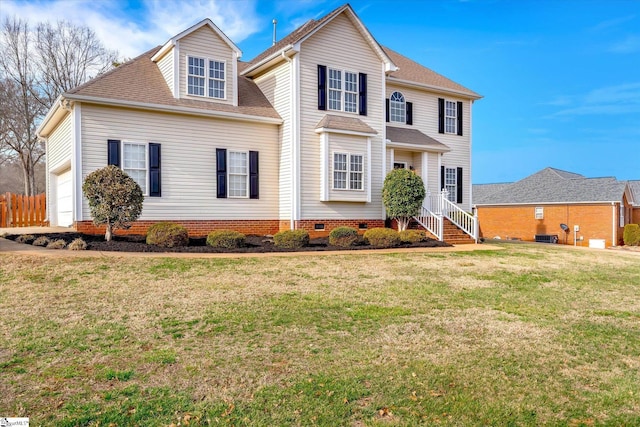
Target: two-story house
301, 136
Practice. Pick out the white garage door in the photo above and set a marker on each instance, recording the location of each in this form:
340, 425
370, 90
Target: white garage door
64, 200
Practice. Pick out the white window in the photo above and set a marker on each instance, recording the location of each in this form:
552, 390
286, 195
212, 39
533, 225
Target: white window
134, 163
622, 223
450, 117
216, 79
238, 174
343, 91
397, 108
348, 171
451, 183
199, 84
539, 213
195, 76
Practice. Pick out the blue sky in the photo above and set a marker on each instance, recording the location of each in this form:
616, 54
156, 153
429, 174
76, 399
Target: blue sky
560, 79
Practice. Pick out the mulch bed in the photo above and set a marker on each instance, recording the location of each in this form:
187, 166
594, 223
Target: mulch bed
254, 244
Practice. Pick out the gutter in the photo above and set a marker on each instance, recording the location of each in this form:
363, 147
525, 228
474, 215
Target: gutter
440, 89
266, 62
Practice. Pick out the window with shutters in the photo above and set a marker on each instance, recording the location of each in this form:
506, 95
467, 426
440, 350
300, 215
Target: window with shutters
451, 183
238, 174
206, 77
397, 108
348, 171
134, 163
343, 91
450, 117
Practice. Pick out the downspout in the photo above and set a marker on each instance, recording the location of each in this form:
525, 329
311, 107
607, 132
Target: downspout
613, 224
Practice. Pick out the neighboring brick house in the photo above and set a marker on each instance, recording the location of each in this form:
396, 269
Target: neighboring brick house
301, 136
539, 203
635, 191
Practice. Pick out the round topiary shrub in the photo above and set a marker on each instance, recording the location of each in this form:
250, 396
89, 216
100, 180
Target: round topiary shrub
228, 239
412, 236
291, 239
41, 241
57, 244
631, 235
167, 235
382, 237
343, 236
77, 245
26, 238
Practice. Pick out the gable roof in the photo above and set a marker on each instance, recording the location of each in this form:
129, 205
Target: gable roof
205, 22
309, 28
139, 82
551, 186
410, 71
634, 186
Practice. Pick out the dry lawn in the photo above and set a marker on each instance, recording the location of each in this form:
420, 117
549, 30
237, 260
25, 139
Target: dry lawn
527, 335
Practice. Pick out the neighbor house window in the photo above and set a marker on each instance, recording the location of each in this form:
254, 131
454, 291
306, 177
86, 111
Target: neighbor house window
348, 171
539, 213
343, 91
451, 117
213, 86
238, 174
451, 183
397, 108
134, 163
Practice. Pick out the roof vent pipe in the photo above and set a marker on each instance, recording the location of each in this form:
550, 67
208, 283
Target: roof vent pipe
275, 23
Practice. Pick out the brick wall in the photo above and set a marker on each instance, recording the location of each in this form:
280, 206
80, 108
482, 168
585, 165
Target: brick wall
595, 222
636, 216
196, 228
330, 224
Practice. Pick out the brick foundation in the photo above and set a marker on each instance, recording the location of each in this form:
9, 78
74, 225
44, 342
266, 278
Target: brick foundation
330, 224
196, 228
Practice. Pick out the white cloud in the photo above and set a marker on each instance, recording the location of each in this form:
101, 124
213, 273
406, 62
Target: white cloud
132, 32
630, 44
618, 99
611, 23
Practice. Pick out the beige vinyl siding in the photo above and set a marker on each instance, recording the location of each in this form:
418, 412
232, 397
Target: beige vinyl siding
347, 144
432, 184
188, 153
166, 68
338, 45
60, 144
425, 119
205, 43
276, 86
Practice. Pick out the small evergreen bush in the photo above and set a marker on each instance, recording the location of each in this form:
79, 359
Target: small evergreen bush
382, 237
631, 235
77, 245
167, 235
228, 239
343, 236
412, 236
291, 239
41, 241
57, 244
26, 238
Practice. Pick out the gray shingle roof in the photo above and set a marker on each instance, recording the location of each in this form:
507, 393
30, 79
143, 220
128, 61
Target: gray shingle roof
415, 138
634, 185
552, 186
331, 121
482, 191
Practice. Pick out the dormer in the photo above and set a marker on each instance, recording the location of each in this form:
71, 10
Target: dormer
201, 63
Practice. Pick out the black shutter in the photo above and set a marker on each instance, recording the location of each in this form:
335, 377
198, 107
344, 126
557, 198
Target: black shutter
459, 186
441, 177
113, 152
221, 173
409, 113
440, 115
322, 87
459, 119
154, 170
253, 175
387, 105
362, 96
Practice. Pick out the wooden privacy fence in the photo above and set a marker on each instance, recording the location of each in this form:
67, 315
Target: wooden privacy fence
17, 210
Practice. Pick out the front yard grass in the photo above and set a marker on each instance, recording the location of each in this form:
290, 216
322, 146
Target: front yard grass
528, 335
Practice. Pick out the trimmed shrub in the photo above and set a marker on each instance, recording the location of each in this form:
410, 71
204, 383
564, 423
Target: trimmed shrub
402, 194
167, 235
41, 241
343, 236
631, 235
412, 236
57, 244
382, 237
291, 239
77, 245
228, 239
26, 238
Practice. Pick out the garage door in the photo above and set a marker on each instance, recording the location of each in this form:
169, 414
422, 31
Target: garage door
64, 200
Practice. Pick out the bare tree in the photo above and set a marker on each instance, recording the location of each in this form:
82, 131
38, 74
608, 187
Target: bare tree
20, 104
69, 55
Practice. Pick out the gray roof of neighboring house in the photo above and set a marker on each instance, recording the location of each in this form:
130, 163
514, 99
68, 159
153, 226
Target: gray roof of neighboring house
551, 186
481, 191
634, 185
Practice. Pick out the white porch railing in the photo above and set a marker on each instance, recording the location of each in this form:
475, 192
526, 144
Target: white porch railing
439, 207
